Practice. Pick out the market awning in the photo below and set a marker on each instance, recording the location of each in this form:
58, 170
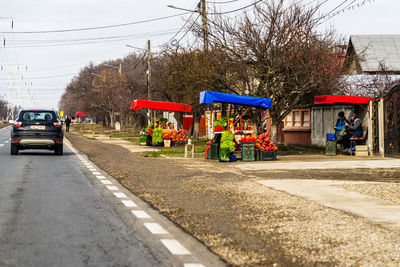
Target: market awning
84, 114
168, 106
208, 97
333, 99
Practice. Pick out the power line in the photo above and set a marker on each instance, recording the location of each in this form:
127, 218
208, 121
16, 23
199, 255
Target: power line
235, 10
99, 27
184, 25
44, 77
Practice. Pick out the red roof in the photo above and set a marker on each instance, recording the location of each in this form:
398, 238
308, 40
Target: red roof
169, 106
333, 99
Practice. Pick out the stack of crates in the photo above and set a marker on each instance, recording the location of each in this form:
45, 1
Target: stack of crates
331, 144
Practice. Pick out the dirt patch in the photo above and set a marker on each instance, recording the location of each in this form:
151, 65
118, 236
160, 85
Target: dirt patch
245, 223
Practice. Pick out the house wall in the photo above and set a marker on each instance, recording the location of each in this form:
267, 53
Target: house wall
297, 127
323, 118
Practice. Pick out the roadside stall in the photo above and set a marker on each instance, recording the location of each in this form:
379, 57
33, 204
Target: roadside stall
83, 116
162, 132
235, 136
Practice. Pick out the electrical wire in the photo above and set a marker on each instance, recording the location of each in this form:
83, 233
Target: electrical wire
100, 27
235, 10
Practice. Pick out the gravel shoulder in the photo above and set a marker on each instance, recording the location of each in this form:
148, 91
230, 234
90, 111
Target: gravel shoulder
247, 224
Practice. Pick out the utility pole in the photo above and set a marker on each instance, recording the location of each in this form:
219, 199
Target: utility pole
148, 72
204, 19
120, 68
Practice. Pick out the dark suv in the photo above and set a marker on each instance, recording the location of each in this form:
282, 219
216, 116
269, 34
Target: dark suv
37, 129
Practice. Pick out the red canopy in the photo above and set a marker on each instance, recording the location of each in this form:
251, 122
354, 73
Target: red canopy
169, 106
333, 99
82, 114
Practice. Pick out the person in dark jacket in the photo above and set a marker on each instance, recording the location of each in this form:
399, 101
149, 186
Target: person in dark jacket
67, 123
354, 127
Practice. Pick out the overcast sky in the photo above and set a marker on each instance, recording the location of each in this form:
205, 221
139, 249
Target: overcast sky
52, 59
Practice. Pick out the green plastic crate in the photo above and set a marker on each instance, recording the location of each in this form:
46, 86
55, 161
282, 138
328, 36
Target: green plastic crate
248, 152
267, 155
213, 151
331, 148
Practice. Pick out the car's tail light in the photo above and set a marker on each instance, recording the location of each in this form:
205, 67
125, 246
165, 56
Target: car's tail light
15, 140
17, 124
57, 124
58, 141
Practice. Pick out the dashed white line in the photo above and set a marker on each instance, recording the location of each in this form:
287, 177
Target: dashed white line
112, 187
105, 181
96, 173
100, 177
193, 265
6, 141
92, 169
129, 203
141, 214
156, 229
120, 195
1, 144
175, 247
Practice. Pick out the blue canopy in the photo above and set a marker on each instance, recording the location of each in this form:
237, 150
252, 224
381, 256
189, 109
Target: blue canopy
208, 97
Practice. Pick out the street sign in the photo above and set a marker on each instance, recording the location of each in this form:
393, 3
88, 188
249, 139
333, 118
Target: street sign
117, 126
61, 113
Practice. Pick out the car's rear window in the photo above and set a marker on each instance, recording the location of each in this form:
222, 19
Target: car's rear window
37, 115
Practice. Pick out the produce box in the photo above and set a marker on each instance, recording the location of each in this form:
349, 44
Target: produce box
213, 152
330, 148
142, 140
248, 153
267, 155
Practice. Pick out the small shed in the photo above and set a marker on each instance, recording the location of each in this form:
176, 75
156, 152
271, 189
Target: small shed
325, 111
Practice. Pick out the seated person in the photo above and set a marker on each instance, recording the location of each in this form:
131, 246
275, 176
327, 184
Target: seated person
355, 129
340, 125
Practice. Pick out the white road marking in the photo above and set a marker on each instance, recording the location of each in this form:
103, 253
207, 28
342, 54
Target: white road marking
96, 173
156, 229
105, 181
6, 141
100, 177
175, 247
112, 187
120, 195
141, 214
129, 203
193, 265
92, 169
1, 144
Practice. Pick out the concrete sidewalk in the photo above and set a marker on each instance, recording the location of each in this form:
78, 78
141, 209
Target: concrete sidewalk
308, 165
325, 193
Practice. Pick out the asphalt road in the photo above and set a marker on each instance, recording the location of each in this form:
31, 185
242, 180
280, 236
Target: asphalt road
54, 212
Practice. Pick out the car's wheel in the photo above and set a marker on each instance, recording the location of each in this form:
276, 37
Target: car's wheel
58, 150
14, 150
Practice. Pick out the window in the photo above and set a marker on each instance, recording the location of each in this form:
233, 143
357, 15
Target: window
299, 118
306, 118
38, 116
289, 120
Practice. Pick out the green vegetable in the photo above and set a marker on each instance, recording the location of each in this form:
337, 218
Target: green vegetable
149, 127
158, 136
223, 122
227, 144
163, 120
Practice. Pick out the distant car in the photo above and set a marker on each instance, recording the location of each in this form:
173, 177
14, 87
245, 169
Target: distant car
37, 129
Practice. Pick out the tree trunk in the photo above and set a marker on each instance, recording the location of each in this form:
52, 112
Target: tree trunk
196, 126
274, 131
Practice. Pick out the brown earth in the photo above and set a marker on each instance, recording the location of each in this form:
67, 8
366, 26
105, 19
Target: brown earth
245, 223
